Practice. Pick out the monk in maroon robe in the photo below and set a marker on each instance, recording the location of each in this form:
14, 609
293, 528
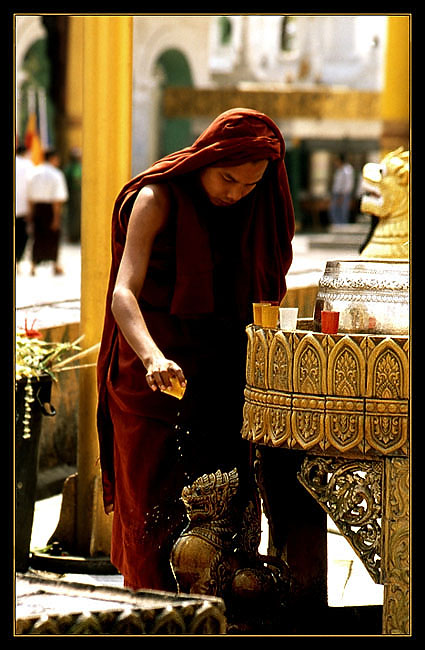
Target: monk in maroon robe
196, 239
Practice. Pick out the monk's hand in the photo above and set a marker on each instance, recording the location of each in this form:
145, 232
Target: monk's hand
160, 371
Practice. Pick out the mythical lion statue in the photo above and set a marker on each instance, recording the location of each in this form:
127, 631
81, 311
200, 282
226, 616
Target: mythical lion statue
208, 538
386, 186
217, 552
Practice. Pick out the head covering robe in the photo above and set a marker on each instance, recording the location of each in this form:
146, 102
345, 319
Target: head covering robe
266, 228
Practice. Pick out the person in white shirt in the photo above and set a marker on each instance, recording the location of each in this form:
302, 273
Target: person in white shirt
23, 170
342, 190
47, 192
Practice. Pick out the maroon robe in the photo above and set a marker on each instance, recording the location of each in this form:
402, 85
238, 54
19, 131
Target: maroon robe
205, 270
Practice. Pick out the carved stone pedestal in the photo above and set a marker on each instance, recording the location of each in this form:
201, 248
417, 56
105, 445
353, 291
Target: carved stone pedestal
342, 401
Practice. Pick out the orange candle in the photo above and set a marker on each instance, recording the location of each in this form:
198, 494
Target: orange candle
270, 315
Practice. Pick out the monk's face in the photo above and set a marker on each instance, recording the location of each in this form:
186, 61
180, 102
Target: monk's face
227, 185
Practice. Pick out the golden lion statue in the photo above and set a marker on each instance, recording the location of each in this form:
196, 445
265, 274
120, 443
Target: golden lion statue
386, 186
217, 553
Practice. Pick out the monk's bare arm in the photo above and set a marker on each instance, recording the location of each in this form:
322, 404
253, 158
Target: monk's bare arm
148, 217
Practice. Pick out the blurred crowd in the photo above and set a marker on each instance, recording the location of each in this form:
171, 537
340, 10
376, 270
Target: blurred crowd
47, 205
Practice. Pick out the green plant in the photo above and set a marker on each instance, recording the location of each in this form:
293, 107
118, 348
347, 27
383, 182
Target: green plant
35, 357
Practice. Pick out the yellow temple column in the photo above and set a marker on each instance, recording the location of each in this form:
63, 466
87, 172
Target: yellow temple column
107, 94
396, 96
73, 82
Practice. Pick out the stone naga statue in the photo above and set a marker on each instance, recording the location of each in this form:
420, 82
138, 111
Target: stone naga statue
386, 186
217, 553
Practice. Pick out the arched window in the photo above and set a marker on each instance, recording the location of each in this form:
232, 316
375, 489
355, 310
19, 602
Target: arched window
35, 91
225, 30
173, 69
287, 33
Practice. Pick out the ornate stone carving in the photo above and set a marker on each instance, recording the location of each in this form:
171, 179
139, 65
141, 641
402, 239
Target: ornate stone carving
266, 417
280, 363
309, 364
217, 553
388, 370
371, 280
250, 356
260, 353
351, 493
369, 502
371, 297
386, 426
349, 392
344, 425
349, 409
396, 565
257, 419
307, 420
202, 557
279, 424
346, 368
386, 186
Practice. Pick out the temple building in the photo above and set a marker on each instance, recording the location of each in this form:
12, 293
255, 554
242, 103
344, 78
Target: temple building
320, 77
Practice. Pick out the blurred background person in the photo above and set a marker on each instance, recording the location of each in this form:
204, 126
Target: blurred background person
47, 192
342, 190
23, 170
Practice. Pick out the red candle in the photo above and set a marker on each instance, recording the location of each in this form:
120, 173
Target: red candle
330, 321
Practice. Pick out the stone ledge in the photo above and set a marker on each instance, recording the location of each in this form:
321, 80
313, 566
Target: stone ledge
56, 607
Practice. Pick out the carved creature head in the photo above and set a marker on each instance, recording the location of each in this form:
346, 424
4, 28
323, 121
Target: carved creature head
386, 185
211, 496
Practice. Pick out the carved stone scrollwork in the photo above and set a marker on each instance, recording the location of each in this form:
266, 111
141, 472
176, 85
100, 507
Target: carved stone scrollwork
397, 547
351, 494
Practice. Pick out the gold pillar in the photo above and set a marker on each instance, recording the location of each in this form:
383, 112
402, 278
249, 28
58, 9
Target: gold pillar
396, 95
73, 82
107, 93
